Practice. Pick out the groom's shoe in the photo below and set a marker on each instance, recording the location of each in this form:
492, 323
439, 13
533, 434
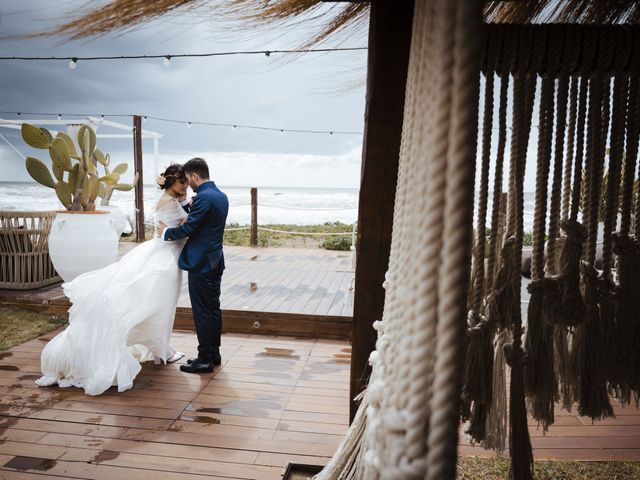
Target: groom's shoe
198, 366
217, 360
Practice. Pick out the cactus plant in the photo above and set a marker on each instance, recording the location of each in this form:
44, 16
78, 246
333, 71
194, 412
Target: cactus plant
83, 184
111, 178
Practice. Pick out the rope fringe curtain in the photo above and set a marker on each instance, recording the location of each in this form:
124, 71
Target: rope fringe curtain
582, 333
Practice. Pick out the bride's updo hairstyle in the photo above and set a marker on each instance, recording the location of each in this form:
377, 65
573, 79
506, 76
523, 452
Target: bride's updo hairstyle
172, 174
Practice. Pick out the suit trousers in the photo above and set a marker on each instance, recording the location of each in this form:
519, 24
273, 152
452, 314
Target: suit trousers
204, 291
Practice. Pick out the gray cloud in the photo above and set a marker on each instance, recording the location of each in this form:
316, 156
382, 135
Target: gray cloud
244, 89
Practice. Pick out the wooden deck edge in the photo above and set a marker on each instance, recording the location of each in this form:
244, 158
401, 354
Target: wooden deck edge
234, 321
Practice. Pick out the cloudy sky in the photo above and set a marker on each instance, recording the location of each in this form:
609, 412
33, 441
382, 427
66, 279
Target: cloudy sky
315, 92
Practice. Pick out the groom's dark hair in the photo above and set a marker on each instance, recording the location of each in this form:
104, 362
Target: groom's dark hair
197, 165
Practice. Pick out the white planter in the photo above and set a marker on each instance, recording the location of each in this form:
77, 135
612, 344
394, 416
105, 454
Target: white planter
82, 241
118, 217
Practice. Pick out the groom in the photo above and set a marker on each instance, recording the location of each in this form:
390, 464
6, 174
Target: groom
202, 257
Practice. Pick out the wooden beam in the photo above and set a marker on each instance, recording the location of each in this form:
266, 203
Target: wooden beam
254, 217
388, 60
137, 158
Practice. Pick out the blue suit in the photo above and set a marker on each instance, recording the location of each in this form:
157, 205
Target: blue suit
203, 258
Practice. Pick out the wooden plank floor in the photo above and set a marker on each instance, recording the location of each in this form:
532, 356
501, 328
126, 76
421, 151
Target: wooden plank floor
274, 400
285, 280
279, 280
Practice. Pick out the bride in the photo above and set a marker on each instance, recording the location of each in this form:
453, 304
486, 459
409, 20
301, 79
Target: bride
122, 314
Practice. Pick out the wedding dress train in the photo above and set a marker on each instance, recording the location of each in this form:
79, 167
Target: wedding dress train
120, 315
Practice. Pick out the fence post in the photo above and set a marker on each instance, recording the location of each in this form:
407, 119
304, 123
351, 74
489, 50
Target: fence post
137, 158
254, 217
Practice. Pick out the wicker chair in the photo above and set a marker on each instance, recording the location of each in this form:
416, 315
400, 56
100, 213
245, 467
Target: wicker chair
24, 250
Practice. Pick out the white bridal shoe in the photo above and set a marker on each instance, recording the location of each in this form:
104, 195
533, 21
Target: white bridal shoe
173, 358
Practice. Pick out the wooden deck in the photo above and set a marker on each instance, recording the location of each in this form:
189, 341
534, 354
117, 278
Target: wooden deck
274, 400
277, 291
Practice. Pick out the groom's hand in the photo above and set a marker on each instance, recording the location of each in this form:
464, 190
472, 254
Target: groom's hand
160, 229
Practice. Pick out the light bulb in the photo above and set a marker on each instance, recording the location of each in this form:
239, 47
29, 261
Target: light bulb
144, 119
189, 125
331, 134
235, 127
73, 63
59, 117
167, 61
281, 132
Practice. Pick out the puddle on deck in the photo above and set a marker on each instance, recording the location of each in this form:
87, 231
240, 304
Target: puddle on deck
22, 464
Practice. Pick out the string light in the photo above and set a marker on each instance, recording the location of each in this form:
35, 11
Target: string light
59, 117
167, 57
73, 63
235, 126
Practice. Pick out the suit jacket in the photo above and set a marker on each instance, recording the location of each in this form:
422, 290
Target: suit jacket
204, 230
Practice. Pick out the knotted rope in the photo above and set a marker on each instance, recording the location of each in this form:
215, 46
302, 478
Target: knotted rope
478, 369
496, 425
539, 370
593, 396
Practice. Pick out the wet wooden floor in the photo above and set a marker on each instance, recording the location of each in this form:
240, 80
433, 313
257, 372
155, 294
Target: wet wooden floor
285, 280
279, 280
274, 400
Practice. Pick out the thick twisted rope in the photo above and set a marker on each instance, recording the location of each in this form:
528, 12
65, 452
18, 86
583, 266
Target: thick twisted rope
497, 182
452, 287
539, 370
570, 155
419, 406
593, 396
479, 351
519, 440
583, 105
556, 187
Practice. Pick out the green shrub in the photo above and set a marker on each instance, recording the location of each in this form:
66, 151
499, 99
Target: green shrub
337, 243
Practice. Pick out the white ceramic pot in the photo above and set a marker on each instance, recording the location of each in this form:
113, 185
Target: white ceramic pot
82, 241
118, 217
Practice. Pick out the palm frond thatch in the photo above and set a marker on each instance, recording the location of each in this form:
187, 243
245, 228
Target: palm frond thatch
119, 15
327, 19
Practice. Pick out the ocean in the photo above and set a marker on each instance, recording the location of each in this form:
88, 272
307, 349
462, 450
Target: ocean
289, 206
281, 205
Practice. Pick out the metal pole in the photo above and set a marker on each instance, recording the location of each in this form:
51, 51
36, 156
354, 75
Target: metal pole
137, 158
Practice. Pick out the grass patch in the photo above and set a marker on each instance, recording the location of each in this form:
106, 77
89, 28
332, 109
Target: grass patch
470, 468
271, 239
19, 326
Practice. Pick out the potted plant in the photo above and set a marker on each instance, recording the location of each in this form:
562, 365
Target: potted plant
106, 189
77, 185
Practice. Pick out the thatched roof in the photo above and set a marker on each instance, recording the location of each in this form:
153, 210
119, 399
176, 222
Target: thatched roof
333, 18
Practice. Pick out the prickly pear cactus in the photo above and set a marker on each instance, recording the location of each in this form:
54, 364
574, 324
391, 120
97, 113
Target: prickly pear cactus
75, 176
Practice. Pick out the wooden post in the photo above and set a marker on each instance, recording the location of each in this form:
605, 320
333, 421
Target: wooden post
388, 60
137, 159
254, 217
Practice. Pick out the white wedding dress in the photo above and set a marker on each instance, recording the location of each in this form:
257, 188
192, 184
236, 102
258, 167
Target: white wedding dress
120, 315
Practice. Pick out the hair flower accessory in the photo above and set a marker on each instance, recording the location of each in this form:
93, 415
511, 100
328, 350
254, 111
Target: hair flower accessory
160, 180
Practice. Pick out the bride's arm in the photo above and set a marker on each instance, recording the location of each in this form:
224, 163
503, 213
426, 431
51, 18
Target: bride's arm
161, 203
197, 215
